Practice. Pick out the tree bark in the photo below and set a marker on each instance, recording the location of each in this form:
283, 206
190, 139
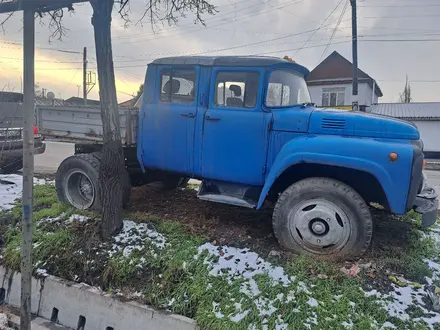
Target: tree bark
111, 173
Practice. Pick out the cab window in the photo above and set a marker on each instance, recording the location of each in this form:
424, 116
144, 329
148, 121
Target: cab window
178, 86
286, 88
236, 89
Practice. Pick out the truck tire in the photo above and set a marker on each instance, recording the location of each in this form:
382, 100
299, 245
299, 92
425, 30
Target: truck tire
12, 166
323, 218
126, 192
77, 182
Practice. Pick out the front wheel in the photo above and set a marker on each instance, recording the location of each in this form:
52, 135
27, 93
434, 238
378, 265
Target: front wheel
323, 218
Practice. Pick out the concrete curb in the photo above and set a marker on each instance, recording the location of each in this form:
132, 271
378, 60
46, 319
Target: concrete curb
75, 305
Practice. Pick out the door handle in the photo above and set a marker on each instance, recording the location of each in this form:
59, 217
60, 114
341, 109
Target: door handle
212, 118
189, 115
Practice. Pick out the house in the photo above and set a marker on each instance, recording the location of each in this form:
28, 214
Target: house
330, 84
425, 115
130, 103
11, 97
79, 101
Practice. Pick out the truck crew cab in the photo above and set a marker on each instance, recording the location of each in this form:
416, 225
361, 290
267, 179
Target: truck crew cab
246, 127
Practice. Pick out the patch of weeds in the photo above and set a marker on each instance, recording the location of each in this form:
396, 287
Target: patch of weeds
54, 251
410, 261
399, 247
12, 249
412, 217
192, 186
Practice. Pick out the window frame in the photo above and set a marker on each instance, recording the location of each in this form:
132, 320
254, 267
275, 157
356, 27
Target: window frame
162, 69
266, 88
337, 91
213, 88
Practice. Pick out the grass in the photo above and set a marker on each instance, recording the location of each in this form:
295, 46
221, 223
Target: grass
181, 277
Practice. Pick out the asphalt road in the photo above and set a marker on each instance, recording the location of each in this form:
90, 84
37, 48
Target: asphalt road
434, 179
56, 152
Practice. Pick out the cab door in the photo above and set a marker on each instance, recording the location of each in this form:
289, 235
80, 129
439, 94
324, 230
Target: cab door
168, 124
235, 136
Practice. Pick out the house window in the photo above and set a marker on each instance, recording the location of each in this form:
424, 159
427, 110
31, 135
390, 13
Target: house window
332, 97
177, 86
237, 89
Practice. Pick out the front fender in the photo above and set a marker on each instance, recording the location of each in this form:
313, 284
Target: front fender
365, 154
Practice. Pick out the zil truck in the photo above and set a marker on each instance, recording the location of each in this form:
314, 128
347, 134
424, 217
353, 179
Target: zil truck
246, 127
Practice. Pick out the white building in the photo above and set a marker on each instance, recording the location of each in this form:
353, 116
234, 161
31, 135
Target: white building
330, 84
425, 115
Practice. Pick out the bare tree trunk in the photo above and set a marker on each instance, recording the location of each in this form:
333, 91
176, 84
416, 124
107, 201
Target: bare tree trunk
112, 169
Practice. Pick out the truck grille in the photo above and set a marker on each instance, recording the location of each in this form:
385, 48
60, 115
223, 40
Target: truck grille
329, 123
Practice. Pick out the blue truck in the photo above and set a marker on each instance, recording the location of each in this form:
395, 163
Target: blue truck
245, 126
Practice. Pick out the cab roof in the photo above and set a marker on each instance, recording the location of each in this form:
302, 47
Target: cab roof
245, 61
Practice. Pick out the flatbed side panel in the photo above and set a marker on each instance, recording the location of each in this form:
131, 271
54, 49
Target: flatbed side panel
83, 124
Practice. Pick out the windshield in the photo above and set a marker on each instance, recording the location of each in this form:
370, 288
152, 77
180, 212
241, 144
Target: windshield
286, 88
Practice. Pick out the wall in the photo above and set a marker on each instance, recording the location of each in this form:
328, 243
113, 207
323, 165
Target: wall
430, 134
365, 93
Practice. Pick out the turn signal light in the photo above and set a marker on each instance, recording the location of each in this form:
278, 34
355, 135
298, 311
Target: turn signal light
393, 156
35, 130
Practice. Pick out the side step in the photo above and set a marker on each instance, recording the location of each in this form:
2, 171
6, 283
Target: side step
229, 193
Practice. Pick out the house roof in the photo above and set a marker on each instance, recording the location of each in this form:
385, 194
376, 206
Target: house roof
80, 101
408, 111
336, 69
129, 103
11, 97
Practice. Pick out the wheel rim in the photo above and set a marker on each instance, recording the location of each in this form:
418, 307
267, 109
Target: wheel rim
80, 190
319, 226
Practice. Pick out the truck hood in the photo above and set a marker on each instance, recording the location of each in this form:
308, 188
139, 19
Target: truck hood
342, 122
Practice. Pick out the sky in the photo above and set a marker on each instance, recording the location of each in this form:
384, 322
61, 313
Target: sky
397, 38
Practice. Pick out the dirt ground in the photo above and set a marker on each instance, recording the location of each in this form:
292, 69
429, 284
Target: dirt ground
218, 222
246, 227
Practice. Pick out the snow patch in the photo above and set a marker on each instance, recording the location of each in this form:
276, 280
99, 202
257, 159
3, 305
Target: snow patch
11, 187
397, 302
134, 236
312, 302
388, 325
42, 272
240, 263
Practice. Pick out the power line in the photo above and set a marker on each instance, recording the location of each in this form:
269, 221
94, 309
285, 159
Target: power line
215, 17
399, 6
335, 29
251, 14
401, 16
41, 61
42, 48
316, 30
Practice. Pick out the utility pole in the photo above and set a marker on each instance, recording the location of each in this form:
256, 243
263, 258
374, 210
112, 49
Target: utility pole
28, 166
355, 100
85, 75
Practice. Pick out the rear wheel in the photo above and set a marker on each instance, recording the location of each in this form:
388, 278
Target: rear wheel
323, 218
77, 182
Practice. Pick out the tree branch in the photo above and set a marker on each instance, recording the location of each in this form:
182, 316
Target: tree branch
2, 24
